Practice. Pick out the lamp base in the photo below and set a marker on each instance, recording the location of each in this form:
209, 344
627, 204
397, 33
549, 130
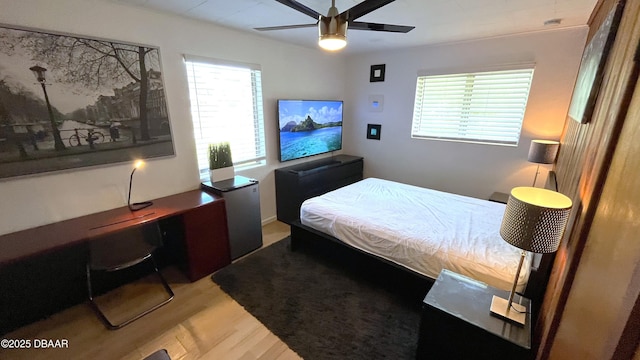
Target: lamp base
516, 314
140, 205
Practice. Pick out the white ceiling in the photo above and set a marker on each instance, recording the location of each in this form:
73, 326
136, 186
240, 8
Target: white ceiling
436, 21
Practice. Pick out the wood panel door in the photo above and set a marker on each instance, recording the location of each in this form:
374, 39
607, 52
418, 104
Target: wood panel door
583, 165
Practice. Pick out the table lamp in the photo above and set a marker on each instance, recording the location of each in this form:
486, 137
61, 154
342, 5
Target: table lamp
139, 205
534, 220
542, 152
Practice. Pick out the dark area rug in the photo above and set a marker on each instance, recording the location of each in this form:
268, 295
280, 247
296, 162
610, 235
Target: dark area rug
328, 305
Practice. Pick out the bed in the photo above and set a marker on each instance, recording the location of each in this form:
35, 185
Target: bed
419, 230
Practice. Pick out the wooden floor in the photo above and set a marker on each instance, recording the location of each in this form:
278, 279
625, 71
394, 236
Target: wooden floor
202, 322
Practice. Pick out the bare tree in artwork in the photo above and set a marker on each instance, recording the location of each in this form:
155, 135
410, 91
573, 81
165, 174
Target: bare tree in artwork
92, 63
63, 95
4, 121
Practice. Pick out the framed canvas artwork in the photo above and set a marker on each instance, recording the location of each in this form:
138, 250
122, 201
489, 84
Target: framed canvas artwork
376, 73
373, 131
68, 102
592, 66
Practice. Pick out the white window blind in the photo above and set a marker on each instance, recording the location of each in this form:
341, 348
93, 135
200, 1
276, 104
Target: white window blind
485, 107
226, 105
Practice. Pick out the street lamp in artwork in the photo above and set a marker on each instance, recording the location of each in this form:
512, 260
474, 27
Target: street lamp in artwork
39, 73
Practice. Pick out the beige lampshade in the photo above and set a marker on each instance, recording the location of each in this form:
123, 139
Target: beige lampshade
543, 151
535, 219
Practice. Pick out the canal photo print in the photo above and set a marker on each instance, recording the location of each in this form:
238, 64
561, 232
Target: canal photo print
68, 102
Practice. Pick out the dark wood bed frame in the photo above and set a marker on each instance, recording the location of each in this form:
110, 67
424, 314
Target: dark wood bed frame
304, 236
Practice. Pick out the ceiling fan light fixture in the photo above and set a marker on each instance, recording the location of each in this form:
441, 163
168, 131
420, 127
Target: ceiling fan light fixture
332, 29
332, 42
332, 33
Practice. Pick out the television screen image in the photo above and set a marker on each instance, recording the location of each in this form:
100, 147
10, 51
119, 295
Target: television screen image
309, 127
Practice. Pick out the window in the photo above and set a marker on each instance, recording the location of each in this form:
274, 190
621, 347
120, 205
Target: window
482, 107
226, 105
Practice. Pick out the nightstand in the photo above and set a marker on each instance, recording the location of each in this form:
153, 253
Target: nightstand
456, 323
499, 197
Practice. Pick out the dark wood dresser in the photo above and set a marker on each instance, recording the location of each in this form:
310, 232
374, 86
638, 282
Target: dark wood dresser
297, 183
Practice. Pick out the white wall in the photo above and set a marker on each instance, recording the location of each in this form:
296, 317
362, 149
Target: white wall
294, 72
463, 168
288, 71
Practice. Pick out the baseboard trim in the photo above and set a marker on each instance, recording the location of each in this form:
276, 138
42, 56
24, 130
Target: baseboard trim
269, 220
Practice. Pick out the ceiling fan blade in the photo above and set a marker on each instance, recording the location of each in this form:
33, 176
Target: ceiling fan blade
364, 8
357, 25
285, 27
301, 8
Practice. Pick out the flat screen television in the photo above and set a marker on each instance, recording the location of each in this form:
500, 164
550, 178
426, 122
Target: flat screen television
309, 127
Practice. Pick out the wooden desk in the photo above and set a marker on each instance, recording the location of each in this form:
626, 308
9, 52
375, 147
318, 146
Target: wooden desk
205, 226
39, 264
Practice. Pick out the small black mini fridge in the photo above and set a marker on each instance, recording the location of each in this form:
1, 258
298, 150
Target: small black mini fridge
242, 202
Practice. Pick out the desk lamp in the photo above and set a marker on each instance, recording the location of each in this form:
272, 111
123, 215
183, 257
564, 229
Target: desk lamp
139, 205
542, 152
534, 220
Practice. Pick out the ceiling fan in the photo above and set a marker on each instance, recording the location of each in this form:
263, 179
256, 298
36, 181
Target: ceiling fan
332, 28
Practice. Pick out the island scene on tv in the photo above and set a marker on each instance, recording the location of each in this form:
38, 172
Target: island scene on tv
309, 127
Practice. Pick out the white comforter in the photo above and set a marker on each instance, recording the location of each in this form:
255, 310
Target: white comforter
421, 229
